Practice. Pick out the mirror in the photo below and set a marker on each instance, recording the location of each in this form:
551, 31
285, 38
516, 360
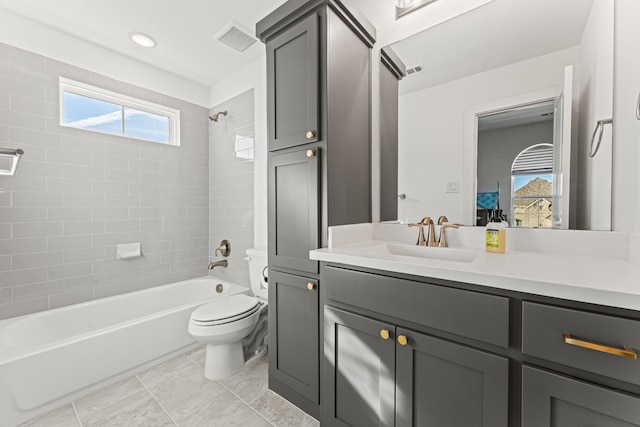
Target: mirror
484, 87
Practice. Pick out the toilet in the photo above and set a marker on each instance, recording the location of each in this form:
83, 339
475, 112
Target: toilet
234, 328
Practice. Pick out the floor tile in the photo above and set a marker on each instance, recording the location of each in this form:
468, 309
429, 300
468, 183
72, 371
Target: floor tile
180, 387
236, 415
198, 355
280, 412
62, 417
136, 410
248, 383
107, 396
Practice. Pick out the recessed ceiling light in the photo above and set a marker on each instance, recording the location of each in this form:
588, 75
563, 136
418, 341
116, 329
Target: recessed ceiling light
142, 39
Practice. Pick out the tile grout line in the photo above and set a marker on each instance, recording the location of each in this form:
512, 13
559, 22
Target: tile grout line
258, 412
75, 410
156, 400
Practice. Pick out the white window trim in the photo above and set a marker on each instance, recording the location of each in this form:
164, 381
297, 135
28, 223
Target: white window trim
78, 88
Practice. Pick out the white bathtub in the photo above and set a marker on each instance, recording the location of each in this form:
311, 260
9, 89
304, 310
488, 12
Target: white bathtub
50, 358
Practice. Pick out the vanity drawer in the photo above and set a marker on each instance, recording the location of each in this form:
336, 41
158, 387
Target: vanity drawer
582, 340
469, 314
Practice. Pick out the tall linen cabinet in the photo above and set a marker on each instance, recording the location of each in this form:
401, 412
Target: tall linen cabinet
319, 171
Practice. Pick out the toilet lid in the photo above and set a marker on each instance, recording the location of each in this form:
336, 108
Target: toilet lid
226, 308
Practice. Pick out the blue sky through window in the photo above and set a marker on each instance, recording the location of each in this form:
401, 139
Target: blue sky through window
89, 113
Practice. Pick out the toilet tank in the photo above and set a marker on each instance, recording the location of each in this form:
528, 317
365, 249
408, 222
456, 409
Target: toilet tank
257, 258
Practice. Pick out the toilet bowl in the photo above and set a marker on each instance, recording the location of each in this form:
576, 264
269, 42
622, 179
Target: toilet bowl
234, 328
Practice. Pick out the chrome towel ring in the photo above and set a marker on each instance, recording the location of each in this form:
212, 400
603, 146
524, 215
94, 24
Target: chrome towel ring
600, 125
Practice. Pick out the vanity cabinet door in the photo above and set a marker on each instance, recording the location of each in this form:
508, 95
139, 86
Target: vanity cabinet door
359, 370
550, 400
294, 209
293, 86
294, 354
439, 383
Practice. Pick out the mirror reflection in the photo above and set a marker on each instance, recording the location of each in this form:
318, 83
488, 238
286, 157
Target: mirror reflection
497, 110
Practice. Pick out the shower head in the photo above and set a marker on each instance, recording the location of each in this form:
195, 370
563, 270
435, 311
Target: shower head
216, 116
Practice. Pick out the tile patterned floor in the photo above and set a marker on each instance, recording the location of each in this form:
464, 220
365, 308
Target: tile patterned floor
175, 393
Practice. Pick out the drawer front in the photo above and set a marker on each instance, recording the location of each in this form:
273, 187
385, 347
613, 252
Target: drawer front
583, 340
465, 313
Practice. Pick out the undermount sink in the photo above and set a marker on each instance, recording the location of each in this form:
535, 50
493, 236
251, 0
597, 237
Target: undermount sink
428, 252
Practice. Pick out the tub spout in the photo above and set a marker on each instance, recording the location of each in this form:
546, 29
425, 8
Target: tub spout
221, 263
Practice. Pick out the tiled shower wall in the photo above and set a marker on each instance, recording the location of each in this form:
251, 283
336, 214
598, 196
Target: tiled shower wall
77, 194
231, 184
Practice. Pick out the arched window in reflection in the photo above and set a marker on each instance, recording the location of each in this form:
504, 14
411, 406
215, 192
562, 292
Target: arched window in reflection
532, 187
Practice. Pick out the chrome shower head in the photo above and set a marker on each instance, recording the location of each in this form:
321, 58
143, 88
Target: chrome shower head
216, 116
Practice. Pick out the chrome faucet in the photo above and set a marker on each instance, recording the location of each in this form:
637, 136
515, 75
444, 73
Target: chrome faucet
221, 263
430, 240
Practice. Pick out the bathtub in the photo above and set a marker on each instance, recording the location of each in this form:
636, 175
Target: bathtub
50, 358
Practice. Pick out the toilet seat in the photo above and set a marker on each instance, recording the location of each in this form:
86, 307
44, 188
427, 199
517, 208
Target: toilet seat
225, 310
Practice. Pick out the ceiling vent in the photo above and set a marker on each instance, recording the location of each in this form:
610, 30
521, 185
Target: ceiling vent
235, 36
414, 69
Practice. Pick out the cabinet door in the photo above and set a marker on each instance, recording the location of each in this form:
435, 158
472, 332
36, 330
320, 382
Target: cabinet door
442, 384
293, 86
294, 357
550, 400
293, 209
358, 370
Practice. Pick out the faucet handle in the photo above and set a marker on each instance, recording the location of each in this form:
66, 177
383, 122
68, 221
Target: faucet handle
442, 219
421, 241
442, 241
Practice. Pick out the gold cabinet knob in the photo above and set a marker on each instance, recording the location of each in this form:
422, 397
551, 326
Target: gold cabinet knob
384, 334
311, 134
402, 339
311, 286
311, 153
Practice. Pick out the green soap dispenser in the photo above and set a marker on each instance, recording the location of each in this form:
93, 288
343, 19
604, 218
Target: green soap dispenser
496, 233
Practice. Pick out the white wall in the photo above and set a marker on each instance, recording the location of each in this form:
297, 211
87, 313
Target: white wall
626, 128
595, 92
37, 38
253, 76
431, 137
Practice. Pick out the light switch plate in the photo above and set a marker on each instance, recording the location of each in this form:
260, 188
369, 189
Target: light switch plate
452, 187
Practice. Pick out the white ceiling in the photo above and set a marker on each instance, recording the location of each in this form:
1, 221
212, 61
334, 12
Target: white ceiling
184, 30
497, 34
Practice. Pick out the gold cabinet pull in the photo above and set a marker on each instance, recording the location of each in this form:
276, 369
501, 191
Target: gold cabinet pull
384, 334
311, 153
402, 340
311, 134
622, 352
311, 286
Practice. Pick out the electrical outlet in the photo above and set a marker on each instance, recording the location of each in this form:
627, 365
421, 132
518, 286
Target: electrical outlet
452, 187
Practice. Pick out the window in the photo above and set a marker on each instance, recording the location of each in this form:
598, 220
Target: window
88, 107
532, 187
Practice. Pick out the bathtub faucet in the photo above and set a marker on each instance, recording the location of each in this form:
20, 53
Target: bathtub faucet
221, 263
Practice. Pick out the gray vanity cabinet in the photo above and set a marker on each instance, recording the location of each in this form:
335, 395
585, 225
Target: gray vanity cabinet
294, 355
378, 374
293, 89
551, 400
294, 193
444, 384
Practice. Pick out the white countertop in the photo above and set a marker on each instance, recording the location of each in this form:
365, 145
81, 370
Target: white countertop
590, 267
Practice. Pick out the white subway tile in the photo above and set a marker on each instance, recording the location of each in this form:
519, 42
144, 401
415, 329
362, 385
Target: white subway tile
36, 229
73, 200
36, 290
22, 120
35, 260
36, 199
6, 296
82, 172
66, 185
68, 214
40, 168
65, 271
20, 308
83, 227
65, 299
68, 242
110, 213
27, 284
22, 214
68, 157
84, 282
22, 246
84, 254
102, 187
118, 226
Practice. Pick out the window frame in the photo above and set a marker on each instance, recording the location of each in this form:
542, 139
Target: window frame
90, 91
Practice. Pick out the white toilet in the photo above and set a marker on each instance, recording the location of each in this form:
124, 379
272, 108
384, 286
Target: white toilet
235, 327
